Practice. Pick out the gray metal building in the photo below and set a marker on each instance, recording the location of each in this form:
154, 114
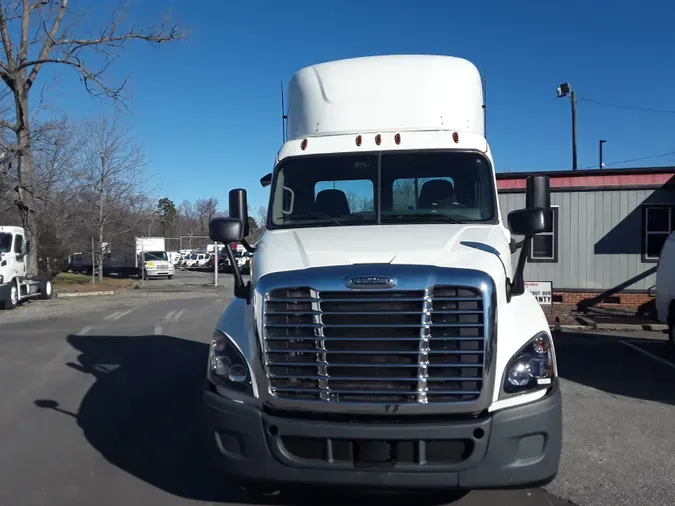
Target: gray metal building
607, 230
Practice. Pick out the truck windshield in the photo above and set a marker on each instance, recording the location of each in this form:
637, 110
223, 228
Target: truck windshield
155, 255
414, 187
5, 242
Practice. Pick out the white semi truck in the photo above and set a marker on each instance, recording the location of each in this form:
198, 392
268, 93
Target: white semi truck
15, 286
385, 338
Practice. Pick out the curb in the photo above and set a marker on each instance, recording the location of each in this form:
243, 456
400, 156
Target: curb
84, 294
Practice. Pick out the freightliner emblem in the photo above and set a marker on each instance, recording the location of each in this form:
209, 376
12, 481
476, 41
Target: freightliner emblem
371, 282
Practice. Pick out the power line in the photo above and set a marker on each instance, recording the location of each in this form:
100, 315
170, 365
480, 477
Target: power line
633, 160
620, 106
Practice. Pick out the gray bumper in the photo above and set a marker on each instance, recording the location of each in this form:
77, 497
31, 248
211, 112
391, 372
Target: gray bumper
514, 447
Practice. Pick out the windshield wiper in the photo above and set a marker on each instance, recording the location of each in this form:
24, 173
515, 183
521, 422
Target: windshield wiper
444, 217
309, 216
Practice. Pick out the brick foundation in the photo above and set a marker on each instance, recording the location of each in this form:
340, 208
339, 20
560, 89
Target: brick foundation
628, 300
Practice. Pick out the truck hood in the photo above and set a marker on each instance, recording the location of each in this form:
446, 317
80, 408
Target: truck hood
480, 247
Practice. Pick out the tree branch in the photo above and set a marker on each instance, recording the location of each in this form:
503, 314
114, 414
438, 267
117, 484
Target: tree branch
11, 126
48, 44
6, 41
156, 37
25, 25
39, 3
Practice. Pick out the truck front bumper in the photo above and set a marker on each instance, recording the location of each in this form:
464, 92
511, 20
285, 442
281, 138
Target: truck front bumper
516, 447
159, 273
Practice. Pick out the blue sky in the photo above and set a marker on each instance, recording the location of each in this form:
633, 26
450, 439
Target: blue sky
207, 109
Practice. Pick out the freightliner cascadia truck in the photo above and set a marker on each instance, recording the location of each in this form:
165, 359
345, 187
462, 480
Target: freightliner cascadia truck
385, 337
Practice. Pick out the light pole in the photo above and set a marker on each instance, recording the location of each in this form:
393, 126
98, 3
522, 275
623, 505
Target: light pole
601, 165
565, 90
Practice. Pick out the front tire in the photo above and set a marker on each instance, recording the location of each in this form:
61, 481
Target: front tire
13, 299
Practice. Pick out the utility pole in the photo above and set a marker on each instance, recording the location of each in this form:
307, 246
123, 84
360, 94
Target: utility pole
565, 90
601, 164
573, 98
215, 264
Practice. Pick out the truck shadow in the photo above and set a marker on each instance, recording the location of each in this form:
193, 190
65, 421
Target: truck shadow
143, 412
604, 362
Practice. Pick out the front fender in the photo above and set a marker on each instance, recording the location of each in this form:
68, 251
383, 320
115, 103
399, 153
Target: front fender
237, 323
519, 320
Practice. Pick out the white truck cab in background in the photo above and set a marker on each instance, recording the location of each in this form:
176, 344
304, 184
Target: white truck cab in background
152, 259
385, 339
15, 286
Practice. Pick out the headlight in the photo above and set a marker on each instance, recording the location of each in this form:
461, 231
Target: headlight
532, 368
226, 366
149, 264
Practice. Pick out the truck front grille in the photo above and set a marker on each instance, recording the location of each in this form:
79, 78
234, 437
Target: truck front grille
425, 346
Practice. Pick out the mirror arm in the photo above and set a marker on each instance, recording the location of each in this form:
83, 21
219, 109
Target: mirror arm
247, 246
517, 286
241, 290
514, 245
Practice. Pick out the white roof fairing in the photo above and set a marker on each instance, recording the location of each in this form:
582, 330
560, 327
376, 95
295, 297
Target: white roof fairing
386, 93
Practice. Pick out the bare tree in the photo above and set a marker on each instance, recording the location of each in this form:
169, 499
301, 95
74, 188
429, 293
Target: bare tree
33, 34
188, 222
359, 203
261, 217
206, 209
113, 172
56, 149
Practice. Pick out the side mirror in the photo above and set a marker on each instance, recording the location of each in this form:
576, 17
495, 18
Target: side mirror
27, 247
266, 180
239, 210
527, 222
226, 230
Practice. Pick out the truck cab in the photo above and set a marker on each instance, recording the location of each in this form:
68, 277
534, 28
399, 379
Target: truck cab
15, 285
385, 338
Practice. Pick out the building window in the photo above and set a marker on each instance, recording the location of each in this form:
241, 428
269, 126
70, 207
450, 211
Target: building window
659, 222
544, 246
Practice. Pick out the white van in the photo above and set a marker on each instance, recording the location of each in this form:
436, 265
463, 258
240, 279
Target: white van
665, 287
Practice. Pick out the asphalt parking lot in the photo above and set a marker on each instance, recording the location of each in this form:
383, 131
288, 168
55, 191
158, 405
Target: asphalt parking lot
101, 402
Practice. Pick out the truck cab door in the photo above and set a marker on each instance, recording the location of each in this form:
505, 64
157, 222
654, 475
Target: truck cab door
20, 250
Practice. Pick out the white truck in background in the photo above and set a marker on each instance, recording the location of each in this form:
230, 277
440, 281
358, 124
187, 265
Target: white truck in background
152, 259
385, 338
15, 286
147, 256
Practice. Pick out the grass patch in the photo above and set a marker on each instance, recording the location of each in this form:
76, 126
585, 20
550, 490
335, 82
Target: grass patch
70, 282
